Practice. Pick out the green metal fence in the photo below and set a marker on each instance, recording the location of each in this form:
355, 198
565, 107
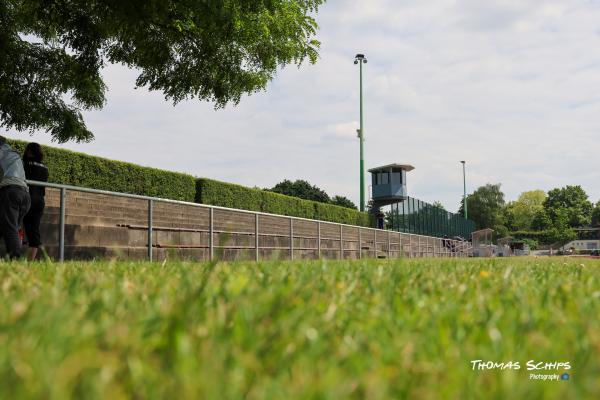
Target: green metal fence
416, 216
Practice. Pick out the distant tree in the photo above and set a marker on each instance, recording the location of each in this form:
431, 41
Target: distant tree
596, 215
343, 202
501, 230
438, 204
485, 208
541, 221
558, 235
532, 243
521, 213
570, 204
211, 50
561, 230
302, 189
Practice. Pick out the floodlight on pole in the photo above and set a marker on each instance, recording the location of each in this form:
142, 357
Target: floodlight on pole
464, 190
360, 59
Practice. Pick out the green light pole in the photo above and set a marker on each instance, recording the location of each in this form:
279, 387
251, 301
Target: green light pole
360, 59
464, 189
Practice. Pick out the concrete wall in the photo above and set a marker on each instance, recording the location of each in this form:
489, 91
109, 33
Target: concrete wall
101, 226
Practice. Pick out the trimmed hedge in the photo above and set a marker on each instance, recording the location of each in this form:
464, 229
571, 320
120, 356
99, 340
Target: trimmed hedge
549, 236
542, 237
78, 169
224, 194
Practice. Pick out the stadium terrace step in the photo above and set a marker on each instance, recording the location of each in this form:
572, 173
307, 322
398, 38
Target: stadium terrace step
85, 235
125, 215
126, 252
103, 226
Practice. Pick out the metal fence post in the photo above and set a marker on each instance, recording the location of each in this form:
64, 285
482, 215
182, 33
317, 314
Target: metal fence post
341, 242
389, 245
256, 237
150, 217
211, 231
359, 243
374, 243
291, 238
418, 252
61, 227
319, 239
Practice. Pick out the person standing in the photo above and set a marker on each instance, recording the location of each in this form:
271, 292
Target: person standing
35, 170
14, 198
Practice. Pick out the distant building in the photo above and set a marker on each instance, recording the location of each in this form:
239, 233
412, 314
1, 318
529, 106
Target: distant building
588, 239
582, 245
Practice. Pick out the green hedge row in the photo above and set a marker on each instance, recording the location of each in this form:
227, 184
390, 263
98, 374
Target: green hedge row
549, 236
71, 168
223, 194
542, 237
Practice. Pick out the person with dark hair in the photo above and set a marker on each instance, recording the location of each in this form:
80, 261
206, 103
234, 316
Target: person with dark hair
380, 220
446, 242
14, 198
35, 170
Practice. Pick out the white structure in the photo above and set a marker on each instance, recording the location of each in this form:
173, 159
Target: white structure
508, 247
482, 243
588, 245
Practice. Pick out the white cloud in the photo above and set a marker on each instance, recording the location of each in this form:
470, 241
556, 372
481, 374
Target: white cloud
510, 86
343, 130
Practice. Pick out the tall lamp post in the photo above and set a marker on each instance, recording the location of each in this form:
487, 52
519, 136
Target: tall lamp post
360, 59
464, 189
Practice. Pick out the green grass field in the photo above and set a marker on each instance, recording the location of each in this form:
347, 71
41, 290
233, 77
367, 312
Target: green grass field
277, 330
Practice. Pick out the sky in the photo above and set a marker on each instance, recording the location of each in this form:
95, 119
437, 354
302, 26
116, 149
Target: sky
512, 87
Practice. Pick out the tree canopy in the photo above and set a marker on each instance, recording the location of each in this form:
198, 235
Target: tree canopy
343, 201
570, 205
438, 204
596, 215
302, 189
215, 50
541, 220
485, 207
534, 216
521, 212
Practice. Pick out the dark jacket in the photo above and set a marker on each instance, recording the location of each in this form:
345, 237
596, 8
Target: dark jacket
36, 171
